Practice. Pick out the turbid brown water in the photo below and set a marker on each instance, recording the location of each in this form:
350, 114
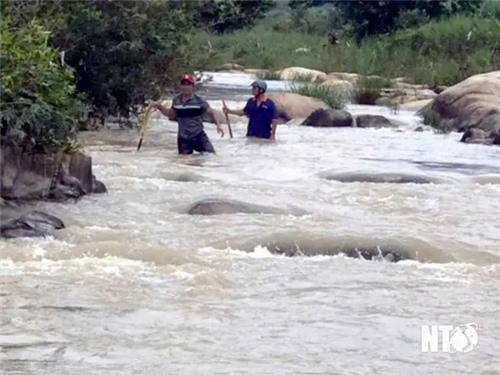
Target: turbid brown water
136, 285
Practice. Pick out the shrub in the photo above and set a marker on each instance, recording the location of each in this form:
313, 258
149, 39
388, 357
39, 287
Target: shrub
337, 99
368, 89
37, 92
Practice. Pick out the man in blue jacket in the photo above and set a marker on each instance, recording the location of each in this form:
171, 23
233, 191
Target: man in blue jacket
261, 111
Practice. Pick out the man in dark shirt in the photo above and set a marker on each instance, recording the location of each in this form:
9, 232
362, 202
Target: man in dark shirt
188, 109
261, 111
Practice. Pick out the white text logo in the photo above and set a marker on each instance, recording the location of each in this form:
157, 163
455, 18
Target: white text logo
454, 339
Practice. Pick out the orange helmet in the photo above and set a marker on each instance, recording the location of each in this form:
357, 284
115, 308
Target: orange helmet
187, 77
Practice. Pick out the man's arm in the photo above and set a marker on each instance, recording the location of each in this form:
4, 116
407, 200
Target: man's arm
274, 121
169, 112
237, 112
274, 125
212, 114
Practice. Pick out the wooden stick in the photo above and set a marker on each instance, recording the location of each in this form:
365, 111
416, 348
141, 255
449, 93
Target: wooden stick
228, 122
144, 125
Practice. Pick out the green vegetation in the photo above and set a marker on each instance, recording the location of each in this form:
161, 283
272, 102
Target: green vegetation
440, 52
58, 56
36, 92
368, 89
335, 98
62, 58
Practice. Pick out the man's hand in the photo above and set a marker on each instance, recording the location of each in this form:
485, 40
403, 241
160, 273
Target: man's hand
225, 109
220, 130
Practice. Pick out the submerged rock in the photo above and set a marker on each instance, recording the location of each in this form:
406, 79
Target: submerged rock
32, 224
311, 243
383, 178
372, 121
375, 252
329, 118
184, 177
214, 206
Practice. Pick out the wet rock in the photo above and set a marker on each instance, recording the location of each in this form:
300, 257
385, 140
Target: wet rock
32, 224
376, 253
26, 175
309, 247
214, 206
382, 178
291, 105
306, 242
188, 177
419, 129
373, 121
472, 103
61, 193
29, 175
496, 138
474, 136
416, 105
478, 136
98, 187
329, 118
78, 167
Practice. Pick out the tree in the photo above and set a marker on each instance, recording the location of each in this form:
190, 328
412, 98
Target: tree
126, 52
123, 52
228, 15
378, 17
37, 92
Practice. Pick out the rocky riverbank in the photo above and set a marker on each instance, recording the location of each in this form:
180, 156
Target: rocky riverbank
28, 176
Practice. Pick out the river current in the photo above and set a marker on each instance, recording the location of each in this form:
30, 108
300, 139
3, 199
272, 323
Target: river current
134, 285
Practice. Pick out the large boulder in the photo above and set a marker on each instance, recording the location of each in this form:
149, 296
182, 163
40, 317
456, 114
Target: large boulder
329, 118
301, 74
291, 105
28, 175
473, 103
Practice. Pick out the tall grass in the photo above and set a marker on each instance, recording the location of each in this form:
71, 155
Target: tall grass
336, 99
369, 89
490, 8
436, 53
